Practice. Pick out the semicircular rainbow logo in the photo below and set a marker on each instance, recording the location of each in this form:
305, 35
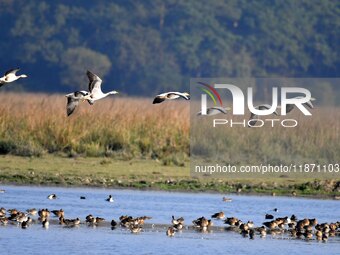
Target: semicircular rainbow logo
211, 91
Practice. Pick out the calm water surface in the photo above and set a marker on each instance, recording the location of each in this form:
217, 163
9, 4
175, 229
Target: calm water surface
159, 205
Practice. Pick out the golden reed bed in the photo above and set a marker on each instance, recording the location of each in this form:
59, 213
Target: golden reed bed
133, 127
33, 124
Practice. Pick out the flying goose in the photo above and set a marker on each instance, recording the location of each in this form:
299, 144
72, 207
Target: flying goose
73, 100
170, 95
290, 107
11, 76
215, 110
96, 92
254, 117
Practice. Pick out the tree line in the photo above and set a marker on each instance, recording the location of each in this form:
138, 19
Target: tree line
149, 46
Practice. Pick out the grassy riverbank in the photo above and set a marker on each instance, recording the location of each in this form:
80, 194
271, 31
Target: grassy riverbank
131, 143
144, 174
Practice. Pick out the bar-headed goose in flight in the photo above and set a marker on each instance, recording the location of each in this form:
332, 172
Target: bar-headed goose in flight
170, 95
11, 76
215, 110
290, 107
96, 92
73, 100
254, 117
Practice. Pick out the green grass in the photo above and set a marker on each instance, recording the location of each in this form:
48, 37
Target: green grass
143, 174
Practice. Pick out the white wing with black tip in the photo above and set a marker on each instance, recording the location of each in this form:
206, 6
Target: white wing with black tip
94, 83
12, 71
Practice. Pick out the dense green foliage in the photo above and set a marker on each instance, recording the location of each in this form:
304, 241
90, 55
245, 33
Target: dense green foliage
154, 45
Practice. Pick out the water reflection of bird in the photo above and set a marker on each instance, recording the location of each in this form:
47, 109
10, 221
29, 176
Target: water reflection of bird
171, 231
45, 223
135, 229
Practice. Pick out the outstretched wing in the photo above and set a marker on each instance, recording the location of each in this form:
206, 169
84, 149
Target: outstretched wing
94, 83
265, 107
158, 100
13, 71
252, 120
219, 109
178, 94
309, 104
72, 103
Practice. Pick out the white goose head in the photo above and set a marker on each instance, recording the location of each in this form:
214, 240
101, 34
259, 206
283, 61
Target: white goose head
113, 92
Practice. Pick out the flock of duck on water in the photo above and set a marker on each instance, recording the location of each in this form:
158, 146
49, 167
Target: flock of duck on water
95, 93
301, 229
